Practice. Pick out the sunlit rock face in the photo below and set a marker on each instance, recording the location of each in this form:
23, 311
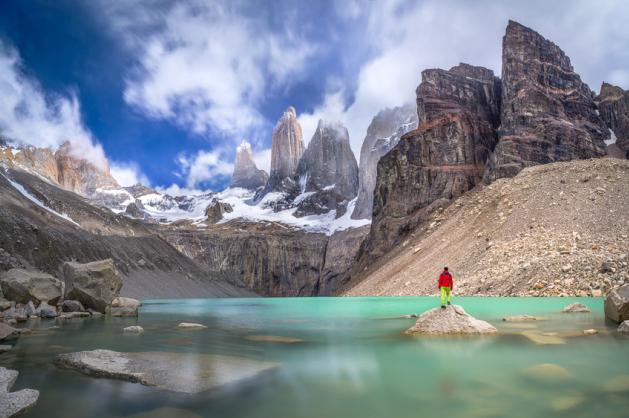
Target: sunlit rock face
548, 113
287, 148
613, 105
383, 134
246, 174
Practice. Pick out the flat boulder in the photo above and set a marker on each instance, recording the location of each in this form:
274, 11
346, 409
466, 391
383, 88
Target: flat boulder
450, 321
575, 308
179, 372
94, 284
14, 403
122, 302
133, 329
23, 286
123, 312
191, 326
617, 304
547, 373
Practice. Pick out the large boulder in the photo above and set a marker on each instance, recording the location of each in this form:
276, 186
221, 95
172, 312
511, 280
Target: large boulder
617, 304
7, 332
72, 306
14, 403
93, 284
624, 328
450, 321
23, 286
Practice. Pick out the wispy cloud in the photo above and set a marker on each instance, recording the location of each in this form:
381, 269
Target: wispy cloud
205, 168
128, 173
31, 116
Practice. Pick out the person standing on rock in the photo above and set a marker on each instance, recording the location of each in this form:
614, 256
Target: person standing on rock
445, 285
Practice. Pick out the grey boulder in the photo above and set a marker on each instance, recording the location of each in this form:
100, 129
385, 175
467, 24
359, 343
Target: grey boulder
44, 310
93, 284
624, 328
23, 286
450, 321
72, 306
575, 308
166, 370
7, 332
14, 403
617, 304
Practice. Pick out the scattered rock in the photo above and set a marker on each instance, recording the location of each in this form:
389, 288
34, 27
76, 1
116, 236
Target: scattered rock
14, 403
617, 304
122, 302
71, 315
5, 348
23, 286
190, 326
93, 284
164, 370
566, 403
165, 412
547, 372
623, 328
134, 329
450, 321
522, 318
7, 332
72, 306
575, 308
274, 339
543, 338
590, 331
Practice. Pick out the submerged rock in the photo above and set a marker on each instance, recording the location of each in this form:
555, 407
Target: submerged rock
14, 403
617, 384
521, 318
590, 331
23, 286
93, 284
617, 304
165, 412
566, 403
543, 338
179, 372
450, 321
123, 311
547, 372
190, 325
575, 308
274, 339
70, 315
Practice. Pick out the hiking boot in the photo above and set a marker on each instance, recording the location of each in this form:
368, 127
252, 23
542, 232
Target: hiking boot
449, 303
443, 306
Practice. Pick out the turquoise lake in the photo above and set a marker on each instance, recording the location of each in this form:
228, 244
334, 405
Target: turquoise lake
353, 360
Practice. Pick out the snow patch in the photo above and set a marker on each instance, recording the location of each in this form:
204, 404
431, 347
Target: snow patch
612, 138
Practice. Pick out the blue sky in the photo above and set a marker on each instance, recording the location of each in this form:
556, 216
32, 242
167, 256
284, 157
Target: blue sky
166, 90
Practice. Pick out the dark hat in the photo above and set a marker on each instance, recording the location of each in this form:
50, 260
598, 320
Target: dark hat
445, 268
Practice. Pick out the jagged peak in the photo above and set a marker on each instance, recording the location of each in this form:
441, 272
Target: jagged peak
244, 146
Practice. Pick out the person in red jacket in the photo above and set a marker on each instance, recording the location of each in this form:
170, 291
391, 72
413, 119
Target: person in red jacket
445, 285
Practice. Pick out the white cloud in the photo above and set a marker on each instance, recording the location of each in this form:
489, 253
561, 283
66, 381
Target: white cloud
128, 174
204, 167
30, 116
176, 190
262, 159
207, 67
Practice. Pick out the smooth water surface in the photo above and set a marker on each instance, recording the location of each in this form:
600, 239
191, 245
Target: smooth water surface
354, 361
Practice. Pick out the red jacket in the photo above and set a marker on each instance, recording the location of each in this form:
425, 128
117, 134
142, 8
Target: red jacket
445, 280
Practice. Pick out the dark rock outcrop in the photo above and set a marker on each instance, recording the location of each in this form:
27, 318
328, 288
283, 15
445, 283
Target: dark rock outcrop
327, 167
286, 150
613, 105
23, 286
216, 209
246, 174
443, 158
383, 133
548, 114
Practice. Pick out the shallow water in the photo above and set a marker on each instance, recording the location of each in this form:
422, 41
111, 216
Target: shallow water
354, 361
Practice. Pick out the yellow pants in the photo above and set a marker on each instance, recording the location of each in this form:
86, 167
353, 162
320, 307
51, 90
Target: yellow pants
445, 294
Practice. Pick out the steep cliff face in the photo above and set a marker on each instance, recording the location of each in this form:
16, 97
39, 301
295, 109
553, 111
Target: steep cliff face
327, 171
61, 167
548, 114
286, 150
443, 158
613, 105
269, 258
246, 174
383, 134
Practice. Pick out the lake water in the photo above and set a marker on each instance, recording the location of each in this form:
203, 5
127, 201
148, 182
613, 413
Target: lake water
354, 361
